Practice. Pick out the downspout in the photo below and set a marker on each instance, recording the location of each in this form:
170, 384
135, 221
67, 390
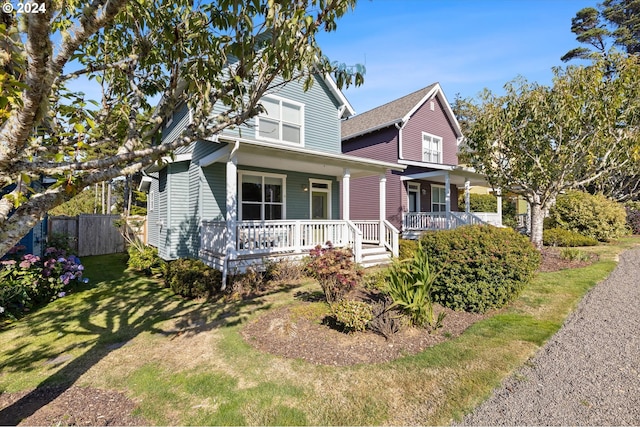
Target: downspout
400, 125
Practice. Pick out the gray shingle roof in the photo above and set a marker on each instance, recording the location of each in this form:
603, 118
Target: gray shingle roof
389, 113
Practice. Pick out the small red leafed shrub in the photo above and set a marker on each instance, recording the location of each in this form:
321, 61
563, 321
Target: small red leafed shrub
335, 271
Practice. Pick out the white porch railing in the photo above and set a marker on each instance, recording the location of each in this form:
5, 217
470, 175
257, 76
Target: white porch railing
439, 220
264, 237
492, 218
371, 234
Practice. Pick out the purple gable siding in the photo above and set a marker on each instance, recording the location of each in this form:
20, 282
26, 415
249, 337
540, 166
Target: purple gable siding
364, 205
434, 122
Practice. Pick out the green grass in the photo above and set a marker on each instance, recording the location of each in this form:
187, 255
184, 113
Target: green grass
185, 362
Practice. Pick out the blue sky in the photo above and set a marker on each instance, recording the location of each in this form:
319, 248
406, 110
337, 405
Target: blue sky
466, 45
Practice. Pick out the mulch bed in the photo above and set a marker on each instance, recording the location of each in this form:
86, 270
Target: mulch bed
274, 332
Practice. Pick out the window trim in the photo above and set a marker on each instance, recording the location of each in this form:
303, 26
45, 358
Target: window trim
439, 151
151, 201
263, 175
280, 121
326, 190
434, 186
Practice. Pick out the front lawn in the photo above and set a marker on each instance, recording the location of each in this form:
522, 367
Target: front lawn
185, 362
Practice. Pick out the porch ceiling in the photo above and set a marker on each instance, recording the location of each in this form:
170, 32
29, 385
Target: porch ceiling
259, 154
456, 177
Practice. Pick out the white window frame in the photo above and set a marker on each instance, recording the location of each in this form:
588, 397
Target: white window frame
443, 204
280, 121
151, 201
325, 190
427, 147
262, 203
413, 187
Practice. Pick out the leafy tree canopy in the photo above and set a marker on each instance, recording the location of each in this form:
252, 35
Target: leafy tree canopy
227, 53
538, 141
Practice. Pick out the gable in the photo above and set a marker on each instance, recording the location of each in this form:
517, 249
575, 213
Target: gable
433, 118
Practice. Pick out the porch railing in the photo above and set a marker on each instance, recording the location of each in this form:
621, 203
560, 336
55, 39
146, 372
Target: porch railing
371, 234
439, 220
262, 237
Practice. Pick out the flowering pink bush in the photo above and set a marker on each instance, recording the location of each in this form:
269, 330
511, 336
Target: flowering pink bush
335, 271
27, 281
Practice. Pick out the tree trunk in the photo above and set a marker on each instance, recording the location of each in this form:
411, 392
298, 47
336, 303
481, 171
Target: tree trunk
537, 221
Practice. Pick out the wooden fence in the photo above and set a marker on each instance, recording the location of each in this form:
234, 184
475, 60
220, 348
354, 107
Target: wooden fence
96, 234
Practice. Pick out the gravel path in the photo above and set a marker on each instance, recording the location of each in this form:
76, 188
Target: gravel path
589, 372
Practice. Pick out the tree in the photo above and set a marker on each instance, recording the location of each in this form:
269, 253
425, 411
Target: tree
537, 141
225, 54
614, 23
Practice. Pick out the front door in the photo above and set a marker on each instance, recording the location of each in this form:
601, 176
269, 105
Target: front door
319, 205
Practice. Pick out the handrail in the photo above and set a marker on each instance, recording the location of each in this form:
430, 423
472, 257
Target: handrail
391, 236
357, 240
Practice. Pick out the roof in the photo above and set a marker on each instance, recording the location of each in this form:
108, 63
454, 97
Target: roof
393, 112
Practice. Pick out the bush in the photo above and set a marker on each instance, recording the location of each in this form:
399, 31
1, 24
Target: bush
335, 271
282, 270
590, 215
572, 254
561, 237
633, 216
480, 266
192, 278
352, 315
386, 320
407, 248
144, 259
28, 281
409, 284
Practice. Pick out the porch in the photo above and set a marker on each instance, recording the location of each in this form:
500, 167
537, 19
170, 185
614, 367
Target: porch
235, 246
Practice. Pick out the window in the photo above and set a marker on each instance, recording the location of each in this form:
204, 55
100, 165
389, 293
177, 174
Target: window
282, 121
431, 148
438, 199
151, 200
261, 196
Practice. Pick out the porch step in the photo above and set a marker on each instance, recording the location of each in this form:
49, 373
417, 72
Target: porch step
375, 255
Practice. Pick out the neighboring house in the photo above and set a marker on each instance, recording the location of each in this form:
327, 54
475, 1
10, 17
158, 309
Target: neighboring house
270, 188
418, 131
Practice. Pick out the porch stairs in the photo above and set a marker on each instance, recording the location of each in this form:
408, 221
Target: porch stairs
373, 255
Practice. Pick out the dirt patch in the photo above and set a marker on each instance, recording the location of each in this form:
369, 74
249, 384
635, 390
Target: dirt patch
552, 261
278, 332
74, 406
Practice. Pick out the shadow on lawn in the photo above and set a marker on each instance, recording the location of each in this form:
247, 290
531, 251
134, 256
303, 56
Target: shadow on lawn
109, 316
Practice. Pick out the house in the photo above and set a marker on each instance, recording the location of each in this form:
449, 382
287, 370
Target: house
418, 131
270, 188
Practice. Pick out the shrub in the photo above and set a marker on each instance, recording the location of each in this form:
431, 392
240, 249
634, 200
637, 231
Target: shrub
407, 248
352, 315
282, 270
572, 254
250, 282
590, 215
561, 237
192, 278
386, 320
409, 285
28, 281
633, 216
480, 266
144, 259
335, 271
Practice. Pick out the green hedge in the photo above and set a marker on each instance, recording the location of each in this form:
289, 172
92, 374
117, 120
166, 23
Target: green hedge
561, 237
589, 215
479, 267
192, 278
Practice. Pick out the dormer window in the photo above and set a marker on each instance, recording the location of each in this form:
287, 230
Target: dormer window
431, 148
282, 121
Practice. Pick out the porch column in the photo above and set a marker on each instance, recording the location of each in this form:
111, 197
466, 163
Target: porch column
499, 210
382, 196
232, 213
346, 184
447, 198
467, 195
